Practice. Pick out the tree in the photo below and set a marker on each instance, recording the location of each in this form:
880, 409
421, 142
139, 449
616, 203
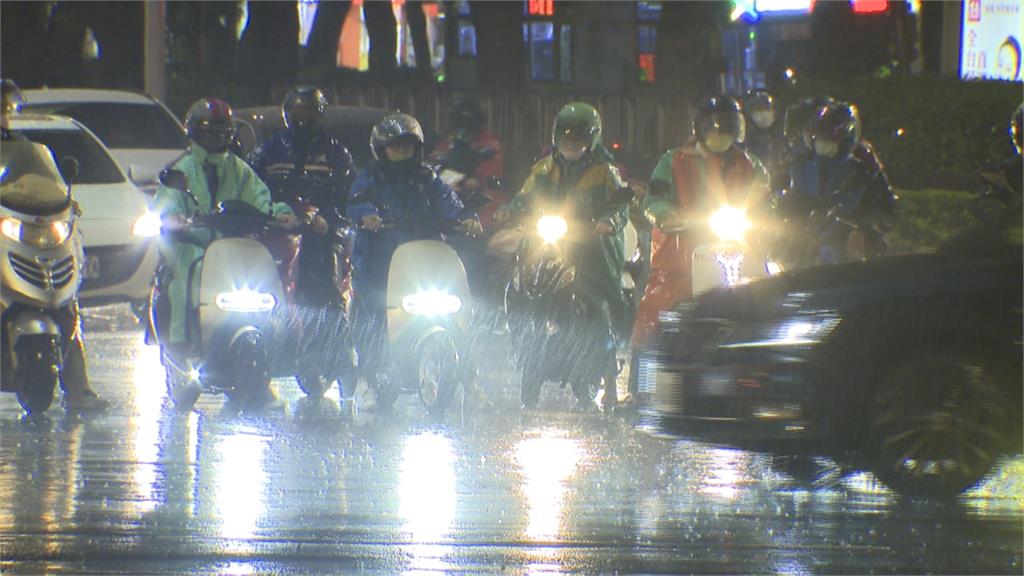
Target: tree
418, 28
684, 58
380, 25
322, 50
499, 41
269, 50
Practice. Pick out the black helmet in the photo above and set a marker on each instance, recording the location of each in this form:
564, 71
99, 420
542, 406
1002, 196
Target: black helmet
208, 123
307, 97
1017, 128
465, 113
795, 127
393, 128
718, 120
12, 97
839, 123
759, 107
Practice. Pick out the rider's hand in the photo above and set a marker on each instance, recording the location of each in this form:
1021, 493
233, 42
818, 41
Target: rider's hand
371, 222
470, 227
287, 220
603, 228
174, 221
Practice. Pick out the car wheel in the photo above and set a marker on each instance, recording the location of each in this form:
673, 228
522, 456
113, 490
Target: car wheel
936, 425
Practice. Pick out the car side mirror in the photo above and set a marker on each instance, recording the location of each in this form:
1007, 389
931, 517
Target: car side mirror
69, 168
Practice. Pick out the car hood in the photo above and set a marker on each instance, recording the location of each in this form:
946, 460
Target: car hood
108, 212
858, 284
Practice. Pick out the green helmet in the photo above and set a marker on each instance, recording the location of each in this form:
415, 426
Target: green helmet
577, 119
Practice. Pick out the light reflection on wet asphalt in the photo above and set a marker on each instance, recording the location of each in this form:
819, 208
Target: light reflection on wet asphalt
307, 488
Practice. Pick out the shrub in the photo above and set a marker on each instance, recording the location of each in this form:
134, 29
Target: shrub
926, 218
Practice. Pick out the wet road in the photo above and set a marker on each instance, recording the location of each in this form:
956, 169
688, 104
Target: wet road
325, 490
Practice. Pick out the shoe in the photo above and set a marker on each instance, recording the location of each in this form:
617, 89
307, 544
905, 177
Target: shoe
185, 394
84, 401
364, 396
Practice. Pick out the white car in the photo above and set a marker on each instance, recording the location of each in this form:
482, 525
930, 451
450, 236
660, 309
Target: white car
141, 133
118, 229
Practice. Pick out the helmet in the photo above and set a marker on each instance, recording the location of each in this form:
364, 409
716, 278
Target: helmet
1017, 128
760, 108
208, 123
838, 123
580, 120
311, 99
795, 126
465, 113
393, 128
718, 123
12, 97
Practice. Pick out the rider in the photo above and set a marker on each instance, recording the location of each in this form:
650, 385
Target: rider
214, 175
305, 148
764, 136
471, 149
579, 171
841, 182
74, 378
711, 168
400, 189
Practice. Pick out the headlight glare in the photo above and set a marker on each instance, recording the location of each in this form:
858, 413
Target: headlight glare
431, 304
245, 300
552, 228
147, 225
11, 227
729, 224
793, 331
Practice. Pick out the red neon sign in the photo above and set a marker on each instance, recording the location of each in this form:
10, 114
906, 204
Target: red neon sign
541, 7
869, 6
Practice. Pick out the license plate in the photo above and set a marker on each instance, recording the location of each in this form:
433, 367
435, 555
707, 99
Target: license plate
92, 266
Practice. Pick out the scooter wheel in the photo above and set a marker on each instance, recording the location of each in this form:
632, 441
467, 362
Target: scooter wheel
437, 370
37, 375
312, 385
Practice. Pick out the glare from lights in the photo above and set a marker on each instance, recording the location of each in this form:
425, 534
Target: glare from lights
547, 462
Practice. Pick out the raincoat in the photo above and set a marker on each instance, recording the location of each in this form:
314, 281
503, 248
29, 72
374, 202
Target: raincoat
587, 185
236, 181
687, 179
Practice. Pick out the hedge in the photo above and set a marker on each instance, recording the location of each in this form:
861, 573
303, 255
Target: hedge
926, 218
949, 127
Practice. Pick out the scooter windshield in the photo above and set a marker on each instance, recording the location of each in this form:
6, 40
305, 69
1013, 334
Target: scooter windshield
29, 180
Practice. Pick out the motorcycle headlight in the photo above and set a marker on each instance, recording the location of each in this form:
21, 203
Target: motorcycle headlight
552, 228
729, 224
431, 304
35, 235
245, 300
147, 225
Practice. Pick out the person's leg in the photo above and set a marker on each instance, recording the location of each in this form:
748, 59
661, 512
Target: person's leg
74, 377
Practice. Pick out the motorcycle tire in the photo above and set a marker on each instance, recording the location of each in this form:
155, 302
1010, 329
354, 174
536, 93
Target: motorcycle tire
387, 390
313, 385
437, 373
38, 373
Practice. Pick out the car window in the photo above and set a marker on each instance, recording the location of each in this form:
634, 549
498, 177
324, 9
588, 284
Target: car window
95, 166
121, 125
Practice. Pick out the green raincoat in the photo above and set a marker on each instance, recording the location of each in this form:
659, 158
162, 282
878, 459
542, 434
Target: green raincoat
236, 181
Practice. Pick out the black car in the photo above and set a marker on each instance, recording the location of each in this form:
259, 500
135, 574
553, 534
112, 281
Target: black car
909, 366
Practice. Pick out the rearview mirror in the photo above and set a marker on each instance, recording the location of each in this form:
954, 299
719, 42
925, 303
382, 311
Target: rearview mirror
173, 178
69, 168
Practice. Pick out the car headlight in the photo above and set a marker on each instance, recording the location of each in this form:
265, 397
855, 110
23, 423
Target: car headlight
729, 224
792, 331
431, 304
245, 300
147, 225
41, 236
552, 228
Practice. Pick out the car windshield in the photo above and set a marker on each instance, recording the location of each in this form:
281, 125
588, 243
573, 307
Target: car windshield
121, 125
95, 166
29, 180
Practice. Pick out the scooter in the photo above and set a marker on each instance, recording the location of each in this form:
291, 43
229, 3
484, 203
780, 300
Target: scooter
229, 311
41, 257
428, 317
727, 255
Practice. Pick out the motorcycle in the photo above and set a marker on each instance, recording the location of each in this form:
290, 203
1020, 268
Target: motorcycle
553, 327
41, 257
314, 343
727, 254
428, 317
228, 314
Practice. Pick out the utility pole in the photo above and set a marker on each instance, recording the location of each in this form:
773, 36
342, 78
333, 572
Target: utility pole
155, 41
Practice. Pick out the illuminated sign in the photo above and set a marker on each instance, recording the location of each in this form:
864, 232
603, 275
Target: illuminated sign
869, 6
541, 7
990, 41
